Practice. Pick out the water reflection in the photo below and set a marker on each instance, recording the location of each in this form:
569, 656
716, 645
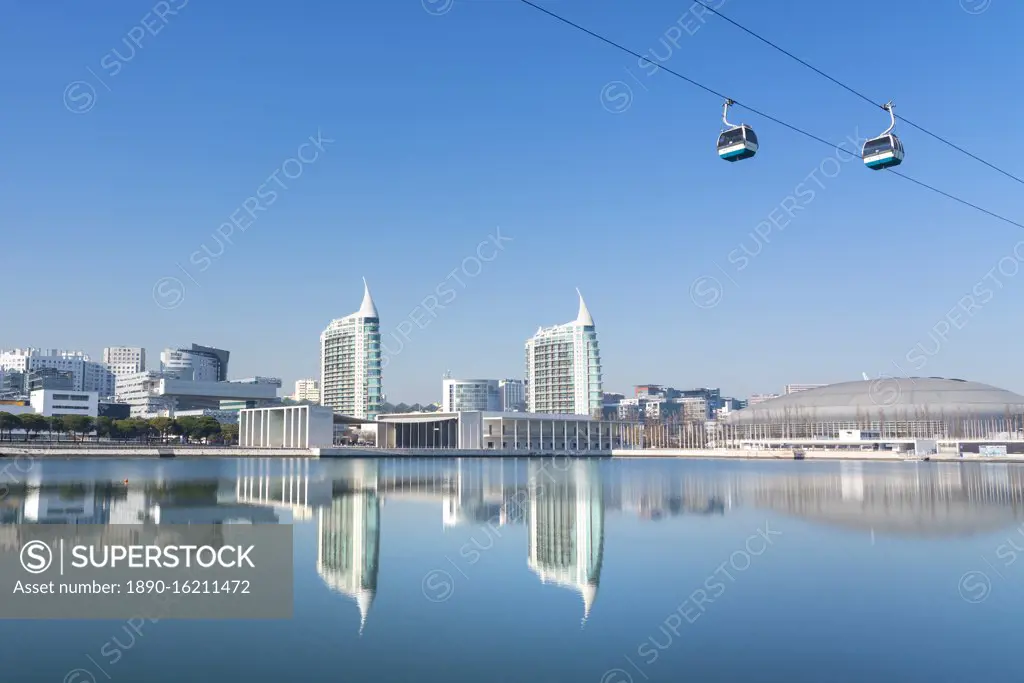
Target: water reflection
562, 504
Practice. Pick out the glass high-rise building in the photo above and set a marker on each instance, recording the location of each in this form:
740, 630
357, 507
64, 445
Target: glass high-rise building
350, 362
563, 368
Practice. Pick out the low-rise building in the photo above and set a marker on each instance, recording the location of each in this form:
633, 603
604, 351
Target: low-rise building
224, 417
484, 430
50, 402
115, 411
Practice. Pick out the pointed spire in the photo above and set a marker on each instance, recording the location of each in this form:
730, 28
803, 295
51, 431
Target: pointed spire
364, 600
589, 596
584, 318
367, 309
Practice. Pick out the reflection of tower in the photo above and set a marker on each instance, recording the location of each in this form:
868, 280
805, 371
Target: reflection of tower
348, 538
567, 527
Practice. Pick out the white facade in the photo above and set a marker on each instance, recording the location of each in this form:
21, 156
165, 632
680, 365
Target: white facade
307, 390
760, 398
86, 375
188, 365
125, 360
793, 388
513, 395
65, 402
141, 390
350, 362
286, 427
563, 368
527, 433
153, 394
459, 395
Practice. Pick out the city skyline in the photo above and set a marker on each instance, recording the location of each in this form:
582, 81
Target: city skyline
415, 208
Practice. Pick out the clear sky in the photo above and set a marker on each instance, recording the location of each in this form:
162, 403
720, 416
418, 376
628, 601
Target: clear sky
453, 119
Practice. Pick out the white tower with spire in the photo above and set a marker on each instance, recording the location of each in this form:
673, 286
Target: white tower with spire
350, 362
563, 367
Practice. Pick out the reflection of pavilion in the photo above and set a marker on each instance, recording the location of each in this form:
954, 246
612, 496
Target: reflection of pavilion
566, 521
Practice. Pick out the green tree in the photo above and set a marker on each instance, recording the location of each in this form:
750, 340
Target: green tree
57, 425
189, 427
229, 433
141, 428
126, 429
104, 427
162, 425
33, 424
80, 424
208, 428
10, 422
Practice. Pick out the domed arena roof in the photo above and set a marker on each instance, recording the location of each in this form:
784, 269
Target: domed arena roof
888, 398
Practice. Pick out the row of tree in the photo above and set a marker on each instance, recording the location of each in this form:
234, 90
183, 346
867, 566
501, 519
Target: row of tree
203, 429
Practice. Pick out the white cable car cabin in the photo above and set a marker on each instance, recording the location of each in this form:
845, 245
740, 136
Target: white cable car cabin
736, 142
886, 150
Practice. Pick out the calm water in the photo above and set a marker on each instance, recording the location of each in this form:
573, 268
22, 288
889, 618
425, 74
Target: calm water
600, 572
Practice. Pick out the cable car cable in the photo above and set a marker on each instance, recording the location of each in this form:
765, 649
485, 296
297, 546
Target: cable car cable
955, 198
688, 80
767, 116
856, 92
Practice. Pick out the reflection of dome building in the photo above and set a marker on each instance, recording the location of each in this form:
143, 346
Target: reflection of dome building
348, 539
566, 523
924, 501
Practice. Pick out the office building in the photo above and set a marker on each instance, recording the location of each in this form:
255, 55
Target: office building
460, 395
563, 368
513, 395
49, 378
794, 388
760, 398
307, 390
86, 375
199, 363
124, 360
152, 394
12, 383
350, 362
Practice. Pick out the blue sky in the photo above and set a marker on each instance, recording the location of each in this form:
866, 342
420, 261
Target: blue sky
447, 126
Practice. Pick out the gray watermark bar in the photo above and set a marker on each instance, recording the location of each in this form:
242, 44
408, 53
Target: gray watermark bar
124, 571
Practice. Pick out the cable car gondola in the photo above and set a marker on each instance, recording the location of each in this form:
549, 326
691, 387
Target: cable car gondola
736, 142
886, 150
